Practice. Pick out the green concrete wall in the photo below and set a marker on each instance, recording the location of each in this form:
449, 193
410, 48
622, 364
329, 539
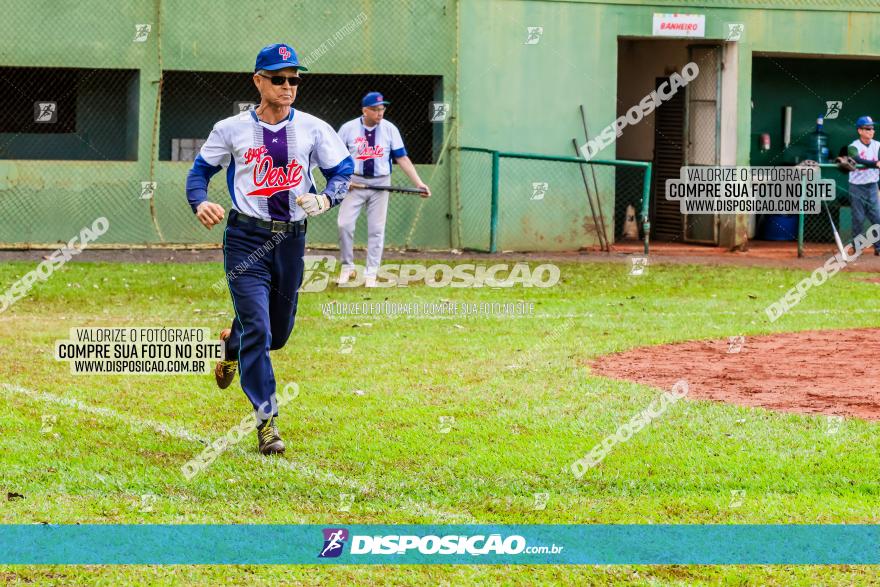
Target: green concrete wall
519, 97
48, 202
506, 95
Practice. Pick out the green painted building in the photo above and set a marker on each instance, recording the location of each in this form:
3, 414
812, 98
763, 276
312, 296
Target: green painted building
129, 102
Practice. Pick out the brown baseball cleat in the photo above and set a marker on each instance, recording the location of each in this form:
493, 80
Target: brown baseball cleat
268, 439
224, 371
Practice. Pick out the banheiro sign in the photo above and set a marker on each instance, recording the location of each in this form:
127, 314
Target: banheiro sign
679, 25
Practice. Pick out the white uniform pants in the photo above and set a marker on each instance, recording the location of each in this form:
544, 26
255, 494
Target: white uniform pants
349, 211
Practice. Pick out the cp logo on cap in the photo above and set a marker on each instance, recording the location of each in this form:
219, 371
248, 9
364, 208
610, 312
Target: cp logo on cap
284, 52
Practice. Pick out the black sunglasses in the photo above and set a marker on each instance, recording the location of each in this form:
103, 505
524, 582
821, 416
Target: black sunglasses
278, 80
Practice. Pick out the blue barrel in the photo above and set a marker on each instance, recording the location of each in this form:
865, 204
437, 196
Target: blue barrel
780, 227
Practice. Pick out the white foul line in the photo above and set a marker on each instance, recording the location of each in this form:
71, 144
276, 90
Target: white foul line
184, 434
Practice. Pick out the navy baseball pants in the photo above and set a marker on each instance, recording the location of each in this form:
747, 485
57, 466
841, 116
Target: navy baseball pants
864, 203
264, 271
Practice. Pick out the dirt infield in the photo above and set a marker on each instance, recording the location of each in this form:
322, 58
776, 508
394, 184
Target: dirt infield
827, 371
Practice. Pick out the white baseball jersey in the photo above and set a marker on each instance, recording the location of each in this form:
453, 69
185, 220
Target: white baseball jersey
269, 165
372, 148
868, 154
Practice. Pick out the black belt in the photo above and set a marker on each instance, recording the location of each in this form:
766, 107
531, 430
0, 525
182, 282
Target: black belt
297, 228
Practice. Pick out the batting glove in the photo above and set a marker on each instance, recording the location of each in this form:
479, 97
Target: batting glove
846, 164
314, 204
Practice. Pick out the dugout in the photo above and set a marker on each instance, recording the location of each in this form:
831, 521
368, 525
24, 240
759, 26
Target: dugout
69, 113
838, 87
695, 126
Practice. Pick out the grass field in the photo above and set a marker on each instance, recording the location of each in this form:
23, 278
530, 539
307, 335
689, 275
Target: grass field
524, 403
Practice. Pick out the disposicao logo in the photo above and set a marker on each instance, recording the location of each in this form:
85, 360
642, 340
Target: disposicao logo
316, 272
475, 545
334, 541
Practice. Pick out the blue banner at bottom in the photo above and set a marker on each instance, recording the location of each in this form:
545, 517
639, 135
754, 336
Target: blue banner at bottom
440, 544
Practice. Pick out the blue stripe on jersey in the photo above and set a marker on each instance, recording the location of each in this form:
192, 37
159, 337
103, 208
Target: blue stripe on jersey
230, 180
197, 181
337, 180
398, 153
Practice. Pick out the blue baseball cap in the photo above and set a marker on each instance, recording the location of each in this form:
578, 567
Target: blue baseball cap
373, 99
277, 56
864, 121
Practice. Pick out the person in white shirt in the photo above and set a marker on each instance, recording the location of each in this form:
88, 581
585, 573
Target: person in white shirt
863, 182
374, 143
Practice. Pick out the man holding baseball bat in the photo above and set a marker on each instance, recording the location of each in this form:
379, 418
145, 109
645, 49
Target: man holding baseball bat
863, 182
268, 154
374, 143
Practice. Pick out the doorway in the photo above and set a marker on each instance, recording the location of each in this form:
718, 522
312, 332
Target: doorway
689, 128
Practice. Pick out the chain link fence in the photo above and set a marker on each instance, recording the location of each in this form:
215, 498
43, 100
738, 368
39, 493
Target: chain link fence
549, 203
105, 116
475, 199
804, 230
817, 228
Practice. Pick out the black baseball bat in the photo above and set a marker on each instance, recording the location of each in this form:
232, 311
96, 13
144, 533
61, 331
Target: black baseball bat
386, 188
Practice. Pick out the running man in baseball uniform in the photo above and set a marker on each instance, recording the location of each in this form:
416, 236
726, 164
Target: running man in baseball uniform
269, 154
373, 143
863, 182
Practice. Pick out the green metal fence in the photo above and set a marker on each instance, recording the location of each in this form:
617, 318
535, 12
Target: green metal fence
528, 201
815, 228
104, 116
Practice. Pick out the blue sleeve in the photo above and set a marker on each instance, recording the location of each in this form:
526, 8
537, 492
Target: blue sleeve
398, 153
197, 181
337, 180
854, 155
